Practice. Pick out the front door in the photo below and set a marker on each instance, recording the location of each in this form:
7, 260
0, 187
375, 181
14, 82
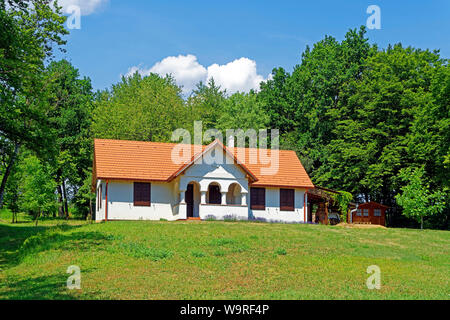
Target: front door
190, 201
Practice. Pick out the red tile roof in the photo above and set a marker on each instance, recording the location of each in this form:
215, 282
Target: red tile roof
152, 161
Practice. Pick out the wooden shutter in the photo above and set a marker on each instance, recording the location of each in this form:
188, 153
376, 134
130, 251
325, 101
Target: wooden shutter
214, 195
287, 199
142, 194
258, 198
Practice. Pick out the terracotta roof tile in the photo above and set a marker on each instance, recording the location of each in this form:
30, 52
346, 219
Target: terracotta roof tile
152, 161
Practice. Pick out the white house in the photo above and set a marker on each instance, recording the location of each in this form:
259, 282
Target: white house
142, 181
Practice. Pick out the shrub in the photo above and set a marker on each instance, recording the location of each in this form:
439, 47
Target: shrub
198, 254
281, 252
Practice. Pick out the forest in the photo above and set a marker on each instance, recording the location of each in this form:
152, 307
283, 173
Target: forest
370, 121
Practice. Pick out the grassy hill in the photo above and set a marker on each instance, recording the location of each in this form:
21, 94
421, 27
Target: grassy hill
220, 260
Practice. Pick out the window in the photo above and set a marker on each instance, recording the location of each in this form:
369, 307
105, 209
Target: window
287, 197
377, 212
358, 213
99, 198
214, 194
258, 198
142, 194
366, 212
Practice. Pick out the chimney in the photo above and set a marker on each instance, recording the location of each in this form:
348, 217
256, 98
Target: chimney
230, 141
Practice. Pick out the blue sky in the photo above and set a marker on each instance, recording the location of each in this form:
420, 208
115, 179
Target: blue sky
209, 38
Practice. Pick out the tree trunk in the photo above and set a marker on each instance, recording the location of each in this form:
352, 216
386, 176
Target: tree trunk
61, 212
37, 216
66, 205
421, 223
8, 172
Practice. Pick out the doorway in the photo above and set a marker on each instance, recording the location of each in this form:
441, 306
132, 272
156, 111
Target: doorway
190, 200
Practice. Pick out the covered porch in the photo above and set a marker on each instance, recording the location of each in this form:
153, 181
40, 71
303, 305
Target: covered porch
213, 199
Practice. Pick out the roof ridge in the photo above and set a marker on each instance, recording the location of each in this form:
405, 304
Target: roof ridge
191, 144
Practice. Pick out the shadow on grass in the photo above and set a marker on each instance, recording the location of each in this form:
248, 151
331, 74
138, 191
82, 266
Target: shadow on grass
52, 287
17, 242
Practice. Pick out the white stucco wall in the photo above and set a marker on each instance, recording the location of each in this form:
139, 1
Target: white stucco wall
100, 212
121, 202
273, 212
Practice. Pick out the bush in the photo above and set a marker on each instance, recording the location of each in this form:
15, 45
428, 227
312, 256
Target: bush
281, 252
198, 254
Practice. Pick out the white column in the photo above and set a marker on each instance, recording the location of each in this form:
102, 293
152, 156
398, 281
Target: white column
243, 199
203, 197
224, 198
182, 197
306, 205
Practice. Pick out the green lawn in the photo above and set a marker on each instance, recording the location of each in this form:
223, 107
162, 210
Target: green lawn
220, 260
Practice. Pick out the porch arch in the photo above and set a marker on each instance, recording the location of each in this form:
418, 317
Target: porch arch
214, 193
234, 194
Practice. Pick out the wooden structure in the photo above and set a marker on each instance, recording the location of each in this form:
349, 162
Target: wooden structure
370, 213
322, 208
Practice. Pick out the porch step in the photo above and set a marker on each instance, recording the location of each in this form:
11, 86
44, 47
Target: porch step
194, 219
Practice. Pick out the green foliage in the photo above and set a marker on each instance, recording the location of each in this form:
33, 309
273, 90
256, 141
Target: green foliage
29, 31
71, 103
37, 188
280, 252
357, 115
242, 111
416, 198
198, 254
139, 108
206, 104
343, 199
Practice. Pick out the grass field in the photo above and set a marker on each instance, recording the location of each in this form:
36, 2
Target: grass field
220, 260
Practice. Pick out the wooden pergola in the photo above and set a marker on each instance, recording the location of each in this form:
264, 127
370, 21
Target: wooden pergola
326, 205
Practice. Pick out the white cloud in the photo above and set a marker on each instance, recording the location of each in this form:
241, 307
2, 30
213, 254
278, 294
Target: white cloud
87, 6
238, 75
185, 69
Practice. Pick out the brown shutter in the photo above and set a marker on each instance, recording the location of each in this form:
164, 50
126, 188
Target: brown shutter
287, 199
258, 198
142, 194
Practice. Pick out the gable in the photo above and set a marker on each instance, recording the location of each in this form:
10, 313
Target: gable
216, 163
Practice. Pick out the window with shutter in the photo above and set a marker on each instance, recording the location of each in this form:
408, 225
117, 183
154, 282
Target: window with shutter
258, 198
142, 194
287, 199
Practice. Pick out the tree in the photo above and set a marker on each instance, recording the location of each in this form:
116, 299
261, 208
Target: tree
29, 30
416, 199
139, 108
206, 104
242, 111
70, 101
37, 187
